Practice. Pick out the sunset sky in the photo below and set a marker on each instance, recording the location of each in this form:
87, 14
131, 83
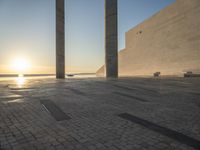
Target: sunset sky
27, 32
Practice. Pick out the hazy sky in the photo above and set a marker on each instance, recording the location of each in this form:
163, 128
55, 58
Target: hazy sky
27, 30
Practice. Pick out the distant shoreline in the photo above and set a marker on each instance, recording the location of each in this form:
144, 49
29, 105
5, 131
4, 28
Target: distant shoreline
41, 75
25, 75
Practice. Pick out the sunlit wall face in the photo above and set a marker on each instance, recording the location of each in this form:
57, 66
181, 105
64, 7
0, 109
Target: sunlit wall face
28, 31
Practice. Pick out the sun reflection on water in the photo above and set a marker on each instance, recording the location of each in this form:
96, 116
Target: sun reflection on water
20, 80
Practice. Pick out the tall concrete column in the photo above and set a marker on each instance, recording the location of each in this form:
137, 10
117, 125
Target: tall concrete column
60, 39
111, 39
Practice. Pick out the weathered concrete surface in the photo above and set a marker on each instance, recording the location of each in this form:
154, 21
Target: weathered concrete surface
60, 39
93, 106
111, 38
168, 42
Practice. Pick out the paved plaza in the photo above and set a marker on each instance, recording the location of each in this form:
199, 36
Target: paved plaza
100, 114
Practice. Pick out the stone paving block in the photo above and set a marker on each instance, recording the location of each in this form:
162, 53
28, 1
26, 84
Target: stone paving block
94, 122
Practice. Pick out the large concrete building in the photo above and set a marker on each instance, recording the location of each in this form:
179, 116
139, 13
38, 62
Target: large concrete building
168, 42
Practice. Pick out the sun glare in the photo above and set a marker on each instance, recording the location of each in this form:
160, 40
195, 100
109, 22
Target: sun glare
20, 65
20, 80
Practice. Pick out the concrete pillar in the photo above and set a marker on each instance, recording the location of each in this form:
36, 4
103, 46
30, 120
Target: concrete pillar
111, 39
60, 39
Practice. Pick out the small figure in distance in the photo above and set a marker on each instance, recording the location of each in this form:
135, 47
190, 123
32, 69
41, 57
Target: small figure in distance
157, 74
188, 74
70, 75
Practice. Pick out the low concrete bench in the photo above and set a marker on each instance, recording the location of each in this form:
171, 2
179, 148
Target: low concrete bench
156, 74
190, 74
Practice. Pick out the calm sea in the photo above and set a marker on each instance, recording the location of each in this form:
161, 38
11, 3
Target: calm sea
13, 77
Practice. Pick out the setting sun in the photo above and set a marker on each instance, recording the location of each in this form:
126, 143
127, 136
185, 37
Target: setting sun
20, 65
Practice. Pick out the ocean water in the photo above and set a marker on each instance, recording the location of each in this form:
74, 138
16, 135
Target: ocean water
7, 78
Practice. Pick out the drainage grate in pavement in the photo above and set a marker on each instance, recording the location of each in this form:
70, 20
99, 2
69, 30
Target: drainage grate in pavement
162, 130
54, 110
195, 93
78, 92
198, 105
123, 87
130, 96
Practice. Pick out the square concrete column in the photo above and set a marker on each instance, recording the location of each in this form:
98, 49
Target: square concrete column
111, 39
60, 39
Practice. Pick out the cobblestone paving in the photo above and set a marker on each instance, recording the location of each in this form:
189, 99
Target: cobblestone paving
93, 106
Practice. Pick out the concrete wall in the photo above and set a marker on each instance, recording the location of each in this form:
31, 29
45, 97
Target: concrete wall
168, 42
